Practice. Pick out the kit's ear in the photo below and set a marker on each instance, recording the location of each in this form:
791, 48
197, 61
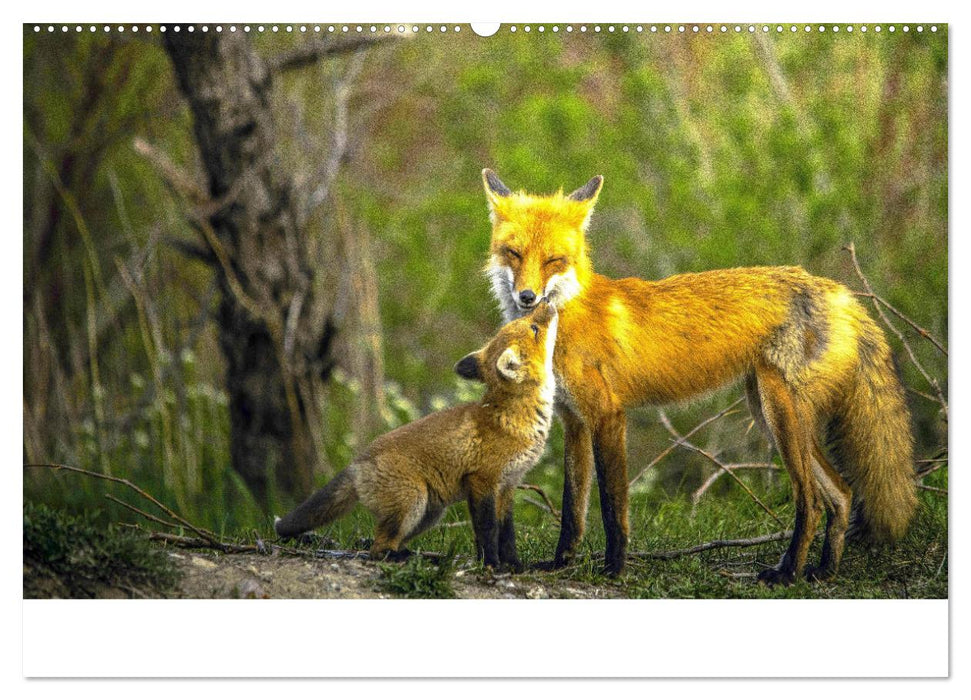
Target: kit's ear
468, 367
509, 365
495, 191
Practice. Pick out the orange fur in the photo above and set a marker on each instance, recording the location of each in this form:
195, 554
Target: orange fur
813, 359
477, 451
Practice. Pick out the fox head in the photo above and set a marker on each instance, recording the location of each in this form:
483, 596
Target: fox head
539, 247
520, 355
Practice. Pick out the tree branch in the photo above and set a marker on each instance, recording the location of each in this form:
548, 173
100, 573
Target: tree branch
683, 442
715, 544
546, 499
721, 414
201, 532
851, 249
318, 49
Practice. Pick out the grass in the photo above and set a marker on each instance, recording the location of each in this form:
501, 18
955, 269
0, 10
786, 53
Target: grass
74, 557
662, 518
85, 557
915, 567
418, 577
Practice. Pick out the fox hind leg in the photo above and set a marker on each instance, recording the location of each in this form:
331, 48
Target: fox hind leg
790, 426
399, 523
610, 459
837, 498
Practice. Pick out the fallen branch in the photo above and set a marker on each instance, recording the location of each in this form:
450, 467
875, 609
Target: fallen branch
715, 544
932, 489
198, 543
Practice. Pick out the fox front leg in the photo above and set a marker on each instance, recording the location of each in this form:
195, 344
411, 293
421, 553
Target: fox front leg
508, 556
578, 475
486, 528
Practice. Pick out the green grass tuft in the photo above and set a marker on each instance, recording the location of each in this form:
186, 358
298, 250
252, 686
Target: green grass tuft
419, 577
74, 557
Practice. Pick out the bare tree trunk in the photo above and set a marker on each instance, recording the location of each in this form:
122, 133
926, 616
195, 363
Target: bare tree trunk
275, 326
361, 346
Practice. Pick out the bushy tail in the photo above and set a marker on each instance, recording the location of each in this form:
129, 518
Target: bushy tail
872, 444
337, 498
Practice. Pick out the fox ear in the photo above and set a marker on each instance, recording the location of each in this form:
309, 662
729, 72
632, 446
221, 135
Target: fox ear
495, 191
509, 365
585, 197
468, 367
588, 193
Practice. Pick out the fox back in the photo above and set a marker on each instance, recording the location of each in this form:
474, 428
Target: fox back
812, 360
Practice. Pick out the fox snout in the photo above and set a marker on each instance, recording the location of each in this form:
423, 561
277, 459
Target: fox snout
527, 298
545, 311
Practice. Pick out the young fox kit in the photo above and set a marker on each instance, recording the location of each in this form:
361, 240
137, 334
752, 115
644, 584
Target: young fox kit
814, 364
477, 451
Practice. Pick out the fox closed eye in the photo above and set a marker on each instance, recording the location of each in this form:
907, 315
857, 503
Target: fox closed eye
513, 254
555, 261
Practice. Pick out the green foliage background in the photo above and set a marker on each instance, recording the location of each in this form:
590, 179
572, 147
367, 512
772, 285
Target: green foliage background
717, 150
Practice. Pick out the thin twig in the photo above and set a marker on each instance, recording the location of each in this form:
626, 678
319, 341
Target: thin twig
927, 471
546, 499
924, 333
715, 544
900, 336
679, 440
147, 516
198, 543
202, 532
700, 491
721, 465
932, 489
721, 414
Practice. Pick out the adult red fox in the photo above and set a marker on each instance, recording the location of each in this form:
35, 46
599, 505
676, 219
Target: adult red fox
477, 451
814, 364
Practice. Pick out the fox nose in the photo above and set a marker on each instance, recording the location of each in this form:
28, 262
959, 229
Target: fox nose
527, 297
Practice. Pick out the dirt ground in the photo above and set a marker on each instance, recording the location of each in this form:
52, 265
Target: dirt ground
208, 575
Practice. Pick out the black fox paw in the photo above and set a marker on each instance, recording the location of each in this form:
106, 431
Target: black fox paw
613, 569
776, 577
392, 555
819, 573
512, 566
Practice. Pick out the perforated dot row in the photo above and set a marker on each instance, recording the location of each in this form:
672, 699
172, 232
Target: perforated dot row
719, 28
303, 28
442, 28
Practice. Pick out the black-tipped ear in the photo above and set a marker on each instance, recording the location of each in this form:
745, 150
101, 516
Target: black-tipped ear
589, 190
468, 367
494, 184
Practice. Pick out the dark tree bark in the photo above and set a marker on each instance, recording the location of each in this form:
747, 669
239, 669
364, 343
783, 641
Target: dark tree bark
275, 327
